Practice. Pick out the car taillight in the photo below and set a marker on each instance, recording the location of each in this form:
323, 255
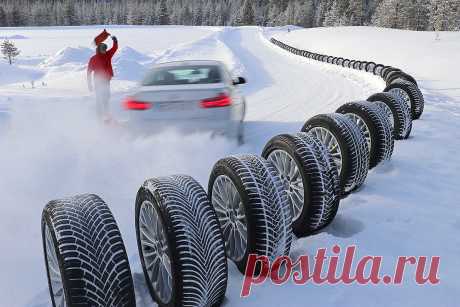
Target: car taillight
132, 104
223, 100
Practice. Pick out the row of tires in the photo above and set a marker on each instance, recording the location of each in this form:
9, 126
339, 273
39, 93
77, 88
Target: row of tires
254, 204
396, 79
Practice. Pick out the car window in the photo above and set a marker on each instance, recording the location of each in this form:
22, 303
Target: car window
176, 75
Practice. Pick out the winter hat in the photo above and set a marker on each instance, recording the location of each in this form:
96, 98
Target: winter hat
101, 37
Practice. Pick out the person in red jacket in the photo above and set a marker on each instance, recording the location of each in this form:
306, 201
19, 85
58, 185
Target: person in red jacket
101, 65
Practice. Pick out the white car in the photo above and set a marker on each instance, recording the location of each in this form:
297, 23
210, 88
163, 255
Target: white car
191, 96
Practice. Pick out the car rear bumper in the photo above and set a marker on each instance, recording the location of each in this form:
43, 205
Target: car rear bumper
229, 128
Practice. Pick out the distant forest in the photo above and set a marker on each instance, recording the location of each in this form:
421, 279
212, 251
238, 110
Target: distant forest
420, 15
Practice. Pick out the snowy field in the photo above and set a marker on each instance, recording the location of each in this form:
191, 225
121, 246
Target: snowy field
51, 146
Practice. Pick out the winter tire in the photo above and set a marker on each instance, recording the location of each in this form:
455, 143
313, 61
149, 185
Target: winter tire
389, 71
180, 243
375, 125
377, 69
347, 145
370, 66
357, 65
393, 76
252, 206
85, 258
397, 111
310, 178
384, 70
410, 93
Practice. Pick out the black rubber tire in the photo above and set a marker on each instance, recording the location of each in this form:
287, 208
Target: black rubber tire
330, 59
319, 178
379, 127
266, 205
400, 113
377, 69
370, 66
357, 65
414, 96
395, 75
389, 71
90, 253
352, 64
363, 66
340, 61
193, 237
384, 69
345, 63
353, 145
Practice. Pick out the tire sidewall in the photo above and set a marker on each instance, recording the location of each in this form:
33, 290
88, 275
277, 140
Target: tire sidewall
288, 146
221, 168
155, 199
46, 221
329, 124
374, 135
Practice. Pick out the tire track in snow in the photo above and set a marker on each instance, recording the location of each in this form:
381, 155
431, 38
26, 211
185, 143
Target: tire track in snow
285, 90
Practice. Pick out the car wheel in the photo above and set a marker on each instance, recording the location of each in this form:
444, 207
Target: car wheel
347, 145
410, 93
310, 178
252, 206
376, 128
397, 111
85, 258
180, 243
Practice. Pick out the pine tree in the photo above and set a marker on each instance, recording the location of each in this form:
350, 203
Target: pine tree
70, 18
386, 14
163, 17
332, 16
198, 14
355, 13
17, 17
3, 21
9, 51
247, 13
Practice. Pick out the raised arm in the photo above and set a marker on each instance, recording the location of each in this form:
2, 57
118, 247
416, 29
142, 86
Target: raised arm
114, 48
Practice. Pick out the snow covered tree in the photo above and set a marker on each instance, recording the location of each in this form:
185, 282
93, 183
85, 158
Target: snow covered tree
247, 13
198, 14
332, 17
444, 15
355, 13
3, 21
70, 18
386, 14
9, 51
163, 16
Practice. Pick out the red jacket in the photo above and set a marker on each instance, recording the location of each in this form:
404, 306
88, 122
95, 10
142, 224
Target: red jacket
101, 64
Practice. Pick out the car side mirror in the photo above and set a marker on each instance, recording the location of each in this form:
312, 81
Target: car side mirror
239, 80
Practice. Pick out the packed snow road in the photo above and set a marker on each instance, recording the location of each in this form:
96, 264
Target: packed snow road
55, 149
284, 90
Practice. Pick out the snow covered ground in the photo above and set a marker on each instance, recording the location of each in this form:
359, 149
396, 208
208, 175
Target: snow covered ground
54, 147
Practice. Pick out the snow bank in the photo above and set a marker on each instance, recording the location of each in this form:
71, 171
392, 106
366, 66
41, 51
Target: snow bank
131, 54
13, 74
418, 53
209, 48
70, 55
16, 36
129, 70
